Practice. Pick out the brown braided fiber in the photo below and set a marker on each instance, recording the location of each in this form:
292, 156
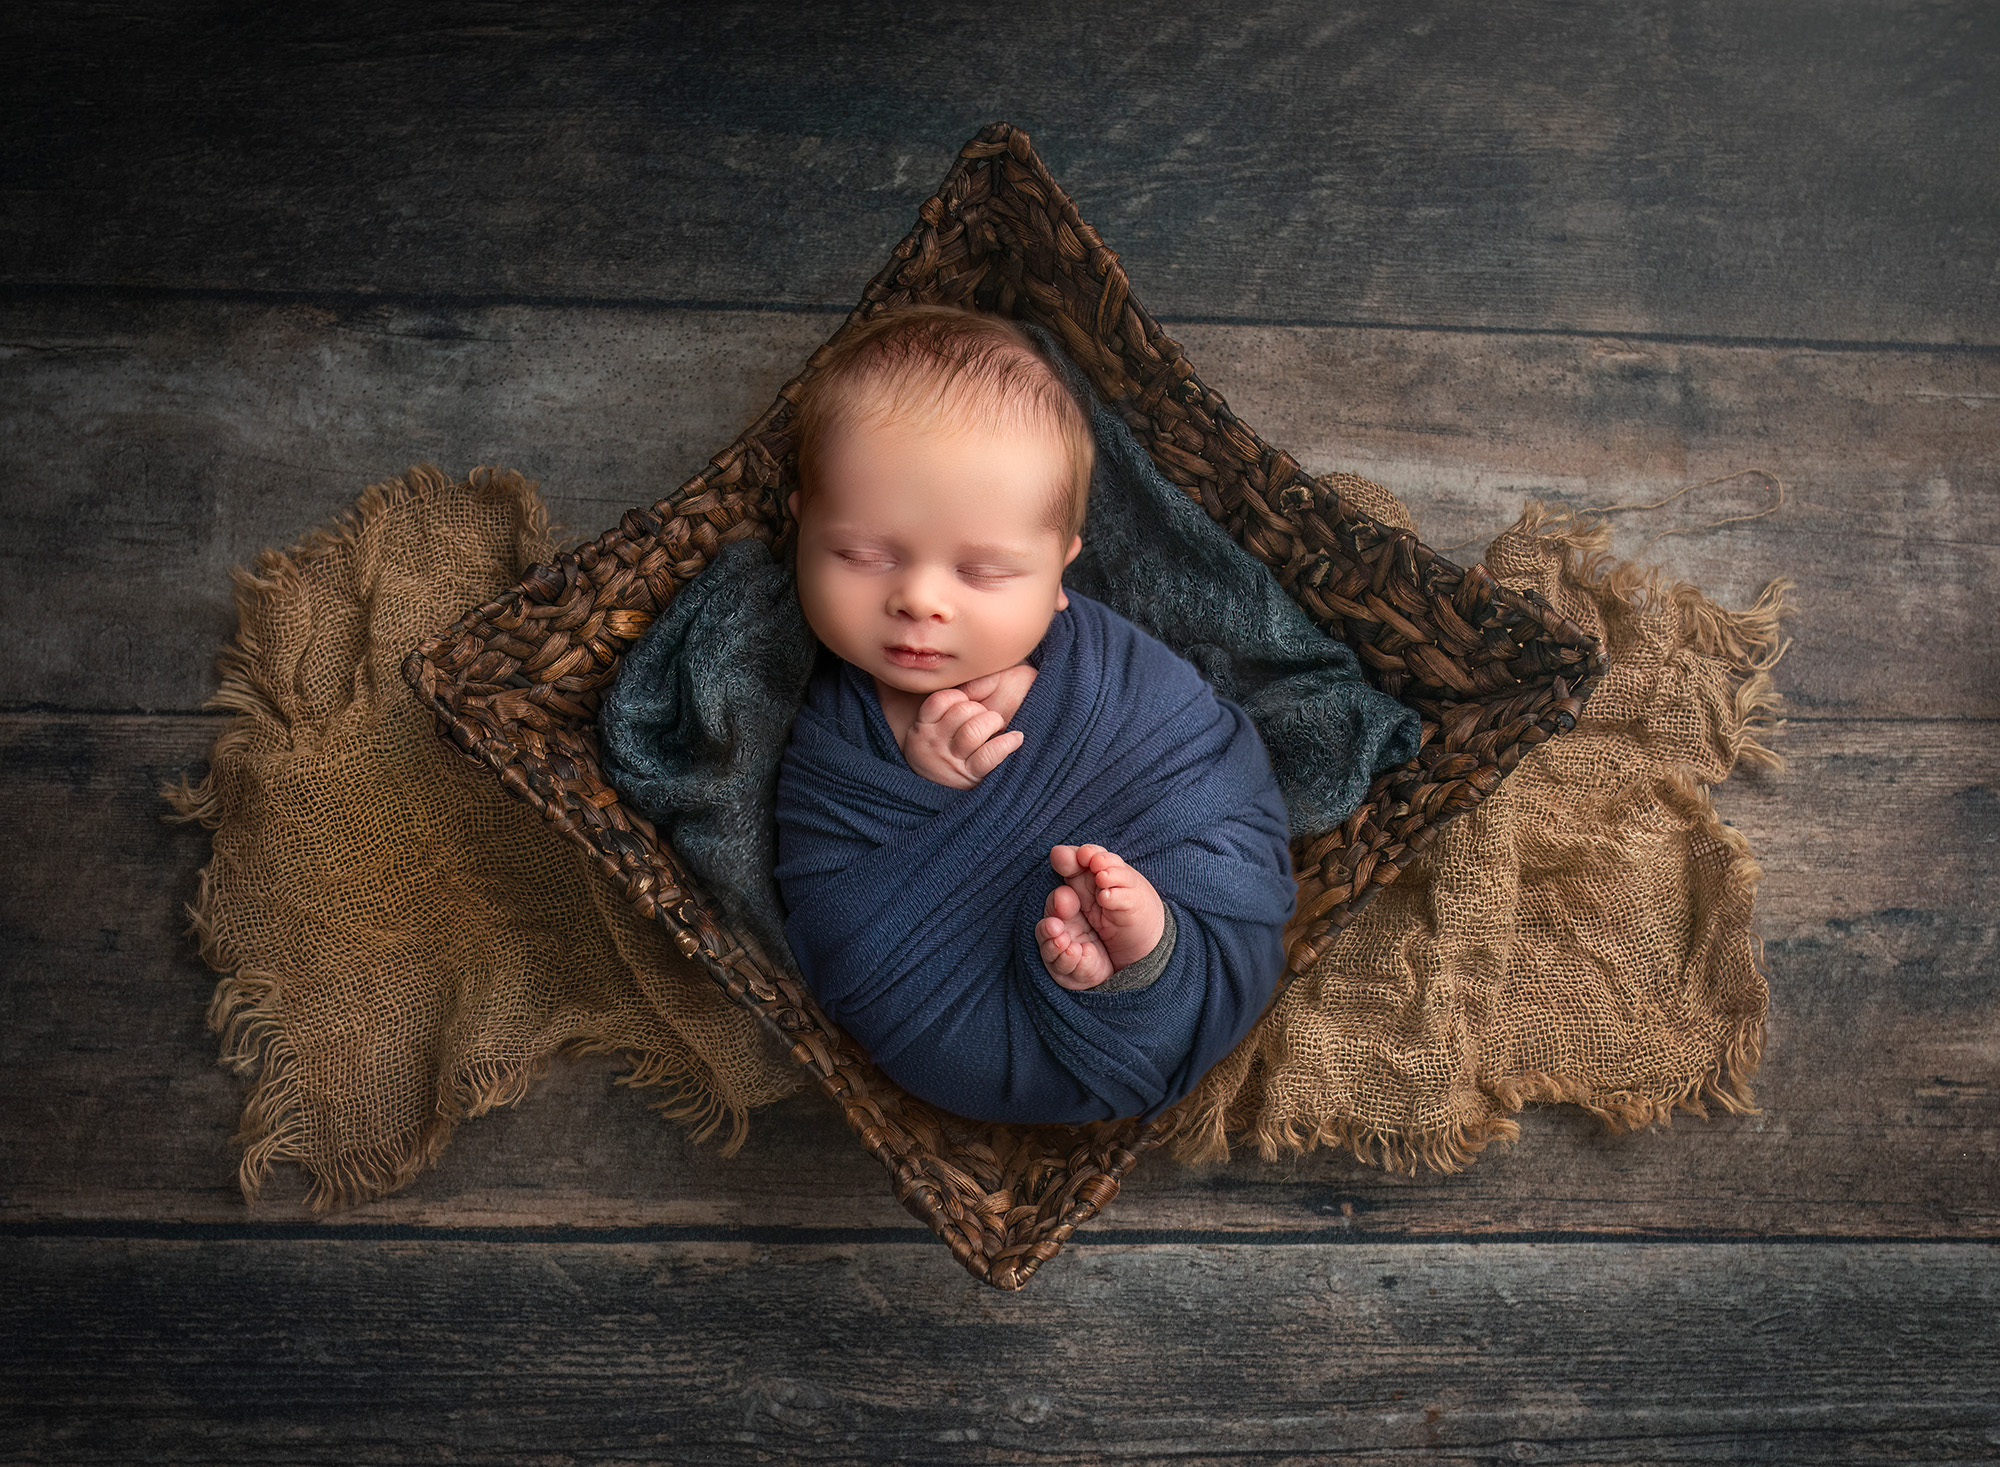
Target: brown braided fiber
1494, 672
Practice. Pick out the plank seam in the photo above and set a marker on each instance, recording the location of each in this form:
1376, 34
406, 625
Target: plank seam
112, 1229
34, 289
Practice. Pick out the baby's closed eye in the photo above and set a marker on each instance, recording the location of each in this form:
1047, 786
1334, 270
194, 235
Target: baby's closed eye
989, 573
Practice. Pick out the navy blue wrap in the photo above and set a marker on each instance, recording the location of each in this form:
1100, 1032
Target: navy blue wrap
913, 906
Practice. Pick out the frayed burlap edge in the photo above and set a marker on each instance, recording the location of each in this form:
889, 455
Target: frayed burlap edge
245, 1009
1750, 643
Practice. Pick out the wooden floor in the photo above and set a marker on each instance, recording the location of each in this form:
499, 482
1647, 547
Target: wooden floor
252, 258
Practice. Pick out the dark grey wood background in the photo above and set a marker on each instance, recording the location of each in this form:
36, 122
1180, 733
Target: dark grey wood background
256, 257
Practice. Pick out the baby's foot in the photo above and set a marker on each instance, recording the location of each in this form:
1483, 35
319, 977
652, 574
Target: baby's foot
1105, 916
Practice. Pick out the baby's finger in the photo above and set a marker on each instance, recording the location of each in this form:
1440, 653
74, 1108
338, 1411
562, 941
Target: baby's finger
938, 704
1010, 690
1062, 904
1063, 858
975, 730
981, 688
986, 758
955, 712
945, 731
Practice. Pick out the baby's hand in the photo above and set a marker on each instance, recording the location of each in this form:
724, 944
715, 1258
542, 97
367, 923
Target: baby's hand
1105, 916
953, 741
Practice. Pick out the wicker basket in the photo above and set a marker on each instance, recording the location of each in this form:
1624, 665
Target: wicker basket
516, 683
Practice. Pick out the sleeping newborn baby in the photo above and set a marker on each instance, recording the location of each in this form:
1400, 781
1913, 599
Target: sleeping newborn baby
1029, 858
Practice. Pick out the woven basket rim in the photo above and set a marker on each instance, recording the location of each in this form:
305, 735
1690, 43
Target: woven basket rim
514, 683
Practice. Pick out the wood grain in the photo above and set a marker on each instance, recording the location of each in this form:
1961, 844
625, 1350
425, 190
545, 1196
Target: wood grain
252, 259
1788, 170
218, 1351
1880, 1091
150, 446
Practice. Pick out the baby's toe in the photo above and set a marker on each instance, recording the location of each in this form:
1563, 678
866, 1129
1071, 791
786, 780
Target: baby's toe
1058, 955
1111, 869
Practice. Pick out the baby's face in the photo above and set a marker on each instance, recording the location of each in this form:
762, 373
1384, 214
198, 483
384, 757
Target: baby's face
922, 555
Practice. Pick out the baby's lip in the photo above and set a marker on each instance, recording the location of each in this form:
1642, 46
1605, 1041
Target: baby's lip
904, 655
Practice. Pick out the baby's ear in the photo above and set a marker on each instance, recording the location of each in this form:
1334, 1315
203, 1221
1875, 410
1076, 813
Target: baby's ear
792, 504
1062, 594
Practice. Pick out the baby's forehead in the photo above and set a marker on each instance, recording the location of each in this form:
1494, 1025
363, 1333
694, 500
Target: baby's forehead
952, 403
948, 510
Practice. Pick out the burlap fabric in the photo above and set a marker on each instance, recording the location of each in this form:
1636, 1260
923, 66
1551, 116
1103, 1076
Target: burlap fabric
1582, 936
404, 945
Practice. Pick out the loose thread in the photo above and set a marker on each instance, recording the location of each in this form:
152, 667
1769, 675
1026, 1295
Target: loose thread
1607, 510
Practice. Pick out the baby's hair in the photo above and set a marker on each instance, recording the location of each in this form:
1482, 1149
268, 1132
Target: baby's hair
912, 361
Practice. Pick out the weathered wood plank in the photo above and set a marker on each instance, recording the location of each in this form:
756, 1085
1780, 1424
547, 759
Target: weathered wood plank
148, 448
1881, 1089
721, 1353
1803, 171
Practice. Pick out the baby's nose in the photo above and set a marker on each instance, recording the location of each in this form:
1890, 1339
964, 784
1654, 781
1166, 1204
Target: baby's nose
921, 598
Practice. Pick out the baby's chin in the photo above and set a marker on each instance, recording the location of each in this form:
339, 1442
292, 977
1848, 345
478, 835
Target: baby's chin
924, 681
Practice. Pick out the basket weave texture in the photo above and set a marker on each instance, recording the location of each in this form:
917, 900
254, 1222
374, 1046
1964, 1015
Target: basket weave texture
516, 683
